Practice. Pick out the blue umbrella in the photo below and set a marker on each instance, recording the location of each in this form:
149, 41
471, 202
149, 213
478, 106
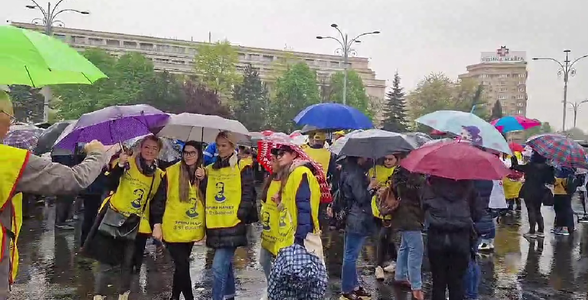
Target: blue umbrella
333, 116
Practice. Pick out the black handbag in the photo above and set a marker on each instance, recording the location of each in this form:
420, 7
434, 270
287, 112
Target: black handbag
118, 226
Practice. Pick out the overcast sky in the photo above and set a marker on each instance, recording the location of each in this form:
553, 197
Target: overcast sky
418, 36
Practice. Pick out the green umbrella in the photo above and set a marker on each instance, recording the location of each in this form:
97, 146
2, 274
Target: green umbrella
31, 58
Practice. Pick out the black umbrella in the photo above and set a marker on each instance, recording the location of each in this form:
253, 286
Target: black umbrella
49, 136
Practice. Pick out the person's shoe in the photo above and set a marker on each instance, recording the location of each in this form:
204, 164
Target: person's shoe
99, 297
583, 219
124, 296
391, 268
64, 227
484, 247
540, 235
380, 273
362, 293
555, 229
418, 295
530, 235
563, 231
349, 296
402, 283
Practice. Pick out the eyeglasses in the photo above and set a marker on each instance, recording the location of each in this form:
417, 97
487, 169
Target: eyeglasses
12, 118
190, 153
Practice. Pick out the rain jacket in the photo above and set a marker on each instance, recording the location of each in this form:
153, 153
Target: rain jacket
357, 198
210, 154
537, 174
485, 224
409, 214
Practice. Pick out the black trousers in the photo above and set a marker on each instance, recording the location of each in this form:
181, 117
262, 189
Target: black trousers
63, 205
448, 267
385, 246
182, 284
512, 202
140, 243
91, 206
564, 214
535, 216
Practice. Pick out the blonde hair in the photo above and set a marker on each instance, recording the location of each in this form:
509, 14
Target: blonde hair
154, 139
227, 135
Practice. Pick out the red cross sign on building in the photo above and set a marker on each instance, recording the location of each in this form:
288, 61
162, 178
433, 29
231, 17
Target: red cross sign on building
502, 52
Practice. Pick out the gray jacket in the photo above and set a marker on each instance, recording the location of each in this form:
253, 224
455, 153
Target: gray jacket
43, 177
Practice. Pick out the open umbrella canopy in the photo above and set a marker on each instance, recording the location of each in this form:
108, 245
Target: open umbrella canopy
50, 136
514, 123
333, 116
114, 124
373, 143
561, 150
468, 126
203, 128
23, 137
31, 58
455, 160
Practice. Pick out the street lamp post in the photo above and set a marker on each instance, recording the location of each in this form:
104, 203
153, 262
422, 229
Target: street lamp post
567, 70
346, 49
48, 20
575, 106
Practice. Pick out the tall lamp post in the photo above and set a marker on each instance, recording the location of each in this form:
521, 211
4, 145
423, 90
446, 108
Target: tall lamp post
49, 20
575, 106
346, 49
567, 70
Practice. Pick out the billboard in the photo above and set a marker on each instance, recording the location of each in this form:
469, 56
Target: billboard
503, 55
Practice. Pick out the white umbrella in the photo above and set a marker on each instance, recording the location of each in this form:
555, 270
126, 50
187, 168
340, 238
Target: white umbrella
203, 128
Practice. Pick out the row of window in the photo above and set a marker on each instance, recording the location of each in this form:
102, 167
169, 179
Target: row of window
501, 83
518, 97
513, 75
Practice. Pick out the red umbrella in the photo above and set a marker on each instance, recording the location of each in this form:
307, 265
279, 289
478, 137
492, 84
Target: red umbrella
516, 147
455, 160
437, 132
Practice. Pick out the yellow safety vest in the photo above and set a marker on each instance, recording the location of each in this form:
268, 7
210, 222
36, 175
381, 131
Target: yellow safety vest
13, 162
560, 186
512, 187
223, 197
321, 156
245, 162
279, 222
133, 193
382, 174
183, 222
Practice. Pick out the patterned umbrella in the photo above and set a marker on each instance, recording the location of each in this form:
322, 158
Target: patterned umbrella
26, 138
559, 149
297, 274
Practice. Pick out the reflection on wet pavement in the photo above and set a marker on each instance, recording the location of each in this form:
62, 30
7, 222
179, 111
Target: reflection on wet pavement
552, 268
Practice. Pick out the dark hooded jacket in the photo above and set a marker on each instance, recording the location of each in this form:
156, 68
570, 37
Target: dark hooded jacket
357, 198
409, 214
486, 223
537, 174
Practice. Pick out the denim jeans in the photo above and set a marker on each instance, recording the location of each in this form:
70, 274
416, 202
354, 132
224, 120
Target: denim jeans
473, 275
223, 285
410, 259
265, 260
349, 275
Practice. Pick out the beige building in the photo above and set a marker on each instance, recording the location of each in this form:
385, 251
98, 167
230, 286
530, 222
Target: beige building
176, 56
503, 74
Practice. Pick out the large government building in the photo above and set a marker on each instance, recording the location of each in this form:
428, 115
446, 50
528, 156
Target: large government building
177, 56
503, 73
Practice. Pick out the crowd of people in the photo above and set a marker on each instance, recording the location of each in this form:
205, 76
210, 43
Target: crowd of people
210, 194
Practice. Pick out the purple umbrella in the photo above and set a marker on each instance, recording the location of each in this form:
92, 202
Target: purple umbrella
26, 138
114, 124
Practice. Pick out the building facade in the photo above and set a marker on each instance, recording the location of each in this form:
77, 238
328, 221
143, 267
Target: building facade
177, 56
503, 74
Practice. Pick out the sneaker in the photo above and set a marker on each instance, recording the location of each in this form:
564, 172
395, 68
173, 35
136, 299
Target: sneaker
555, 230
540, 235
563, 231
349, 296
530, 235
124, 296
64, 227
391, 268
583, 219
418, 295
99, 297
380, 273
362, 293
484, 247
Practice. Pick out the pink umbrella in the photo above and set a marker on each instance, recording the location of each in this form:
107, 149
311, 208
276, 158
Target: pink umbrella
514, 123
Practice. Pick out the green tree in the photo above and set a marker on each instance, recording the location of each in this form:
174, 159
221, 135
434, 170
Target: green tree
250, 100
134, 74
395, 108
544, 128
437, 92
164, 92
294, 91
215, 67
496, 111
356, 94
28, 103
200, 100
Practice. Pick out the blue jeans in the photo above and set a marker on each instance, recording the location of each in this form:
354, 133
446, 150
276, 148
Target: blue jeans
410, 259
473, 276
349, 276
265, 260
223, 284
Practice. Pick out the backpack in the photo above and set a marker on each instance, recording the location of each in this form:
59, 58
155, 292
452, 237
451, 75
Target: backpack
387, 201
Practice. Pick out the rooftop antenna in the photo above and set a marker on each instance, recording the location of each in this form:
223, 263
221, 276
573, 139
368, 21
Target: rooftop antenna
209, 37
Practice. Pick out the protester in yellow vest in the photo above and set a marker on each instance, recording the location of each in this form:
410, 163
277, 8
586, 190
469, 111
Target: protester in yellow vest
245, 157
316, 151
134, 180
290, 204
513, 183
177, 212
24, 172
230, 205
384, 244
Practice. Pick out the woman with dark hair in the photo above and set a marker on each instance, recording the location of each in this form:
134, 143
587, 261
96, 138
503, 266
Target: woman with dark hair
177, 213
134, 179
266, 255
537, 174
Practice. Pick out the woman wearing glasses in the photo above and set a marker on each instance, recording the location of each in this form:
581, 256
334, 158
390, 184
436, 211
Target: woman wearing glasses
178, 214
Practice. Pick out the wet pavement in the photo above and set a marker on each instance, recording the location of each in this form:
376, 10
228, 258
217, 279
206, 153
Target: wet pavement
552, 268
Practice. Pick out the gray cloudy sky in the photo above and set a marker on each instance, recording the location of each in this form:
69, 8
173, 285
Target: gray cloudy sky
418, 36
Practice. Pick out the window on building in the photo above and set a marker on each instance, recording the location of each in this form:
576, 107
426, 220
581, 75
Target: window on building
192, 51
254, 57
502, 89
502, 83
484, 76
502, 75
519, 112
335, 64
114, 43
178, 62
129, 44
176, 49
162, 48
60, 37
242, 56
268, 58
146, 46
310, 62
521, 75
78, 39
321, 63
521, 97
521, 83
521, 89
520, 104
501, 97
